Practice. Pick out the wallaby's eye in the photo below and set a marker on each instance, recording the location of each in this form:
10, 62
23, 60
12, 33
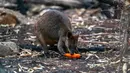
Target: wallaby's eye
3, 14
69, 35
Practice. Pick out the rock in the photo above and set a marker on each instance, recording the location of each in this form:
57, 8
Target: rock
5, 51
21, 18
8, 48
7, 19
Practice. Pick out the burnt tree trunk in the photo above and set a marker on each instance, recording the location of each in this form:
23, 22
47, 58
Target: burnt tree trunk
125, 23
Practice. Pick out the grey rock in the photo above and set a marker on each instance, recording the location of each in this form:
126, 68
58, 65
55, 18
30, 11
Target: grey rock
21, 18
8, 48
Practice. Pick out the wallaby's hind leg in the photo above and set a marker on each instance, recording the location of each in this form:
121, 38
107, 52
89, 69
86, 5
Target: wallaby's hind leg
43, 44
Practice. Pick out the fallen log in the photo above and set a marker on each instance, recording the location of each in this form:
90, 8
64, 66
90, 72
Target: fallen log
66, 3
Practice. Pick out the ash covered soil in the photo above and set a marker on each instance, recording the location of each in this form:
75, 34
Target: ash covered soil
99, 44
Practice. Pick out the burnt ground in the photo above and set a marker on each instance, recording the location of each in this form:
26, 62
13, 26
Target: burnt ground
99, 44
57, 65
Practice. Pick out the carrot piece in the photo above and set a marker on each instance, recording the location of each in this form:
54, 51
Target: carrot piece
67, 55
72, 56
76, 56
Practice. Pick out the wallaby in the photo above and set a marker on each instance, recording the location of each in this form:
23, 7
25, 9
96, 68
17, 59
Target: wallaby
53, 27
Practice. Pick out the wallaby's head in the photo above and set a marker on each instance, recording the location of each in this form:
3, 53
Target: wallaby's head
71, 42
